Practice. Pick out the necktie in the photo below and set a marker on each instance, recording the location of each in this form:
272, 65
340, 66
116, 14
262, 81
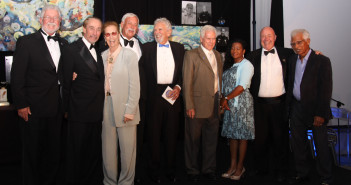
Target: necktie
214, 68
91, 46
131, 43
164, 45
270, 51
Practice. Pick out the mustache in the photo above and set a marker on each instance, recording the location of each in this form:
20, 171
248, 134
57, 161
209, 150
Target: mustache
131, 29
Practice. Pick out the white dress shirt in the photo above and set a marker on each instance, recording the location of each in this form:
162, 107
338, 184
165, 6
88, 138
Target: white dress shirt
135, 48
165, 64
272, 83
54, 49
92, 50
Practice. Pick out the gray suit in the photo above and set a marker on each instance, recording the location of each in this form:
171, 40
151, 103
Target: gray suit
198, 90
124, 99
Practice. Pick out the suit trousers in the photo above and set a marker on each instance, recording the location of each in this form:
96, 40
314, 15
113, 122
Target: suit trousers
40, 149
163, 122
84, 158
111, 137
271, 137
299, 126
201, 133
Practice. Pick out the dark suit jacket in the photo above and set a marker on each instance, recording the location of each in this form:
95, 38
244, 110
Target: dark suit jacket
255, 58
84, 97
148, 69
316, 86
34, 79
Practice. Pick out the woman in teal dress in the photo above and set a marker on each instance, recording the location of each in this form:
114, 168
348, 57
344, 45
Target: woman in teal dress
238, 121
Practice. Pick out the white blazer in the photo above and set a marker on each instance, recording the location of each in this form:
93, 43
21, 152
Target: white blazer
125, 86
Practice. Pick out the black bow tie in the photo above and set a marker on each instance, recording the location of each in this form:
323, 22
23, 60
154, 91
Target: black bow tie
270, 51
91, 46
131, 43
55, 37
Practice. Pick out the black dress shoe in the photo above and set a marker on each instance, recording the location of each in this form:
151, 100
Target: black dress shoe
137, 180
193, 177
156, 179
280, 178
297, 179
211, 176
171, 177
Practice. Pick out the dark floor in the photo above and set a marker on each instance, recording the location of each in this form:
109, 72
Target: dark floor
10, 173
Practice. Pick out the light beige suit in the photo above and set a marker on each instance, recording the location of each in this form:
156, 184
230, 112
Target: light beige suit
124, 99
199, 94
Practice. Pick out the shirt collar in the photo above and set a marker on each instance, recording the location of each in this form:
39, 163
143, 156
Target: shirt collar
86, 42
306, 57
206, 50
123, 37
267, 50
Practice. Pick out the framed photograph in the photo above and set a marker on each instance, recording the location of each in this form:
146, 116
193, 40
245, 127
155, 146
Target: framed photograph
189, 12
204, 13
222, 38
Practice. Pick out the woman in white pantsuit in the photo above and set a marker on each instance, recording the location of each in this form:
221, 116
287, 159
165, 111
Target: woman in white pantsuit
121, 109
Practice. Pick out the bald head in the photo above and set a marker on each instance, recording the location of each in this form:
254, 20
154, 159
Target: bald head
268, 38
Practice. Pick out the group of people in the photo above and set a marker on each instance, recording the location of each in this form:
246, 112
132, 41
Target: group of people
108, 97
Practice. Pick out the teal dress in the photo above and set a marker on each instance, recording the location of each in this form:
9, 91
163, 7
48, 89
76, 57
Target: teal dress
238, 122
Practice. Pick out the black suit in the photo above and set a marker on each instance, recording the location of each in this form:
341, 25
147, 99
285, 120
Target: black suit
161, 115
315, 92
270, 117
83, 101
34, 82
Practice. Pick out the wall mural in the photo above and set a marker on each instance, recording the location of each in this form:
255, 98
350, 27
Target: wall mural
21, 17
189, 36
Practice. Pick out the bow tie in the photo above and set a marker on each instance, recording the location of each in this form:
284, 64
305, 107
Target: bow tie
163, 45
270, 51
131, 43
55, 38
91, 46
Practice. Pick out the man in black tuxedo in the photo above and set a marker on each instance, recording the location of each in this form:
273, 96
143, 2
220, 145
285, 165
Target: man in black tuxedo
129, 29
268, 86
161, 65
309, 93
83, 100
35, 86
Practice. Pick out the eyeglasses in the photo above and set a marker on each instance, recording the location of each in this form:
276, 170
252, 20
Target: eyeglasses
51, 18
109, 34
299, 42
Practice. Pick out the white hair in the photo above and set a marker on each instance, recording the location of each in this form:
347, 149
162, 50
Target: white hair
50, 7
305, 33
165, 21
127, 15
207, 28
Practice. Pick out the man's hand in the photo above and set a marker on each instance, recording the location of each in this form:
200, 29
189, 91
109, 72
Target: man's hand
318, 121
190, 113
175, 92
23, 113
74, 76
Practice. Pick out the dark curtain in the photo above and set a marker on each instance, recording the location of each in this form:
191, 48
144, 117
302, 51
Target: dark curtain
277, 21
236, 13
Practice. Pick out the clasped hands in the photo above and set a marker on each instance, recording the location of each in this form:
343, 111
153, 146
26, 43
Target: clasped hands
224, 104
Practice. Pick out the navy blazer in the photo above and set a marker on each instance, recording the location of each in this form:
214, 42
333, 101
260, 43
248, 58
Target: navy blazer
316, 86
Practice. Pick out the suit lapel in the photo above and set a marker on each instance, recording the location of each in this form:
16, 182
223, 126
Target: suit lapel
175, 57
282, 61
154, 59
46, 49
87, 57
204, 59
309, 66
